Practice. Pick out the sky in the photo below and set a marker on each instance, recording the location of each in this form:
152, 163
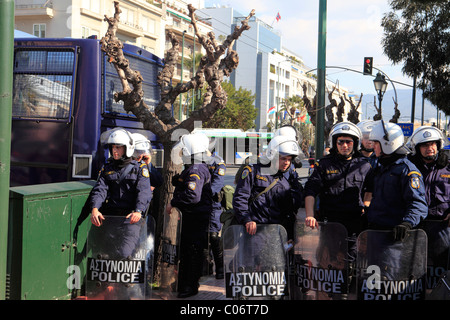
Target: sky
353, 32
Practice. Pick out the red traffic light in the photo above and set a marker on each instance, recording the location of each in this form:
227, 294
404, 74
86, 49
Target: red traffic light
367, 68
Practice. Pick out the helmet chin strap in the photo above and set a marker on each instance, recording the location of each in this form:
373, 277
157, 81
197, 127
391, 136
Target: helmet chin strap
365, 149
430, 157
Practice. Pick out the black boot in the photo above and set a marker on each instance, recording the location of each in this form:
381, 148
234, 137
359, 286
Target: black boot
217, 250
194, 263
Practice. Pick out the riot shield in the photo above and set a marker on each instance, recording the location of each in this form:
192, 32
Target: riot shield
320, 262
255, 265
391, 270
151, 225
438, 258
170, 253
116, 263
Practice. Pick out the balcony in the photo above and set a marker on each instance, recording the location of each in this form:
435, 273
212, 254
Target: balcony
34, 10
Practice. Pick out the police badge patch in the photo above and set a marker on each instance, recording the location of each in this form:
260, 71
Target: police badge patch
145, 172
244, 174
192, 185
415, 182
221, 172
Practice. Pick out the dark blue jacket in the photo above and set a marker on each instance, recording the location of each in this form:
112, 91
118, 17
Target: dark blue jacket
132, 193
217, 169
274, 206
339, 184
398, 194
192, 194
436, 178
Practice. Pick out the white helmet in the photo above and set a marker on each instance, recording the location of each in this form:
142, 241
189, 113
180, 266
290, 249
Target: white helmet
118, 136
390, 136
345, 128
288, 131
366, 127
282, 146
193, 144
426, 134
142, 144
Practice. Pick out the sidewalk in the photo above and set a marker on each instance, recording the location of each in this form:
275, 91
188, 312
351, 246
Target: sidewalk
210, 289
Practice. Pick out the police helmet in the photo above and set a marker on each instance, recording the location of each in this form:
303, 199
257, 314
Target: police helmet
282, 146
142, 145
121, 137
193, 143
390, 136
366, 127
426, 134
345, 128
288, 131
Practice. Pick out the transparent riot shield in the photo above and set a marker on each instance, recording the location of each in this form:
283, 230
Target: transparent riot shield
320, 262
256, 265
170, 254
438, 258
151, 225
391, 270
117, 254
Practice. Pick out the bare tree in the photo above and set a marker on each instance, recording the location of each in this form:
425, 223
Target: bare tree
353, 114
220, 60
396, 114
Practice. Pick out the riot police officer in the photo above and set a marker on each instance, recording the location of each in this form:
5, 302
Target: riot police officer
338, 180
193, 197
143, 153
122, 189
285, 130
269, 192
427, 145
367, 145
217, 169
396, 191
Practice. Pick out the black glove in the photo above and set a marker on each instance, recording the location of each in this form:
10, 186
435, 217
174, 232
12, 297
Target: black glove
297, 162
401, 230
175, 180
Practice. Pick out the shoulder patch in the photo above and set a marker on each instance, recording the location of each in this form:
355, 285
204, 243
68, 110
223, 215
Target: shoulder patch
414, 172
195, 175
221, 172
415, 182
145, 172
192, 185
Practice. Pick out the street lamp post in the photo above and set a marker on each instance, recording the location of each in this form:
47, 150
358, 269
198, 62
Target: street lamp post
380, 84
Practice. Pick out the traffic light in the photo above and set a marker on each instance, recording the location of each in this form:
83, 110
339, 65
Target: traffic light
367, 69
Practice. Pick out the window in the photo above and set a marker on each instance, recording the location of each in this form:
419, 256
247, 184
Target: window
149, 71
84, 32
42, 83
148, 24
39, 30
92, 5
272, 68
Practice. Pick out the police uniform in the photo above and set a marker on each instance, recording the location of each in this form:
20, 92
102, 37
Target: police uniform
436, 178
119, 197
398, 194
131, 194
339, 184
276, 206
217, 169
193, 197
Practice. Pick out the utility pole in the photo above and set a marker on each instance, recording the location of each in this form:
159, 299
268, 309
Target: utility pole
321, 75
6, 83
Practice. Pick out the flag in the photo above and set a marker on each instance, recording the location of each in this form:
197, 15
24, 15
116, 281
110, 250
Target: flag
271, 110
278, 17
